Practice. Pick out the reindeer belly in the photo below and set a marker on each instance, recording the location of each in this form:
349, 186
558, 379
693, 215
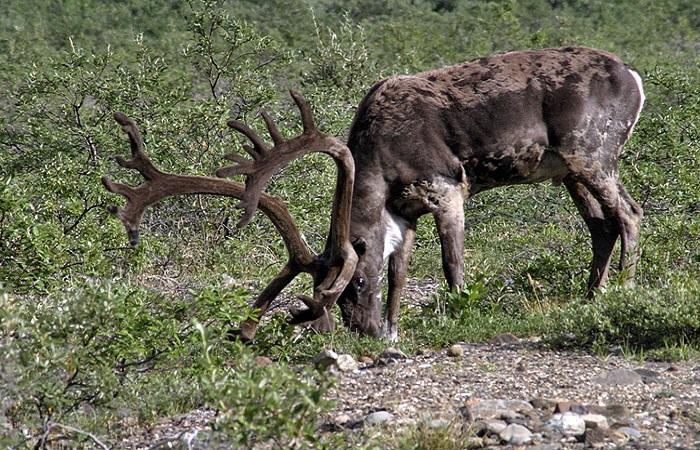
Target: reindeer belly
529, 162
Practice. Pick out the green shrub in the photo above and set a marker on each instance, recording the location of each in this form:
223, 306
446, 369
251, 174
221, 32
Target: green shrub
258, 405
638, 318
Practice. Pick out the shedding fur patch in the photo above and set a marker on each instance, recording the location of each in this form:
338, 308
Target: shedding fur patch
393, 235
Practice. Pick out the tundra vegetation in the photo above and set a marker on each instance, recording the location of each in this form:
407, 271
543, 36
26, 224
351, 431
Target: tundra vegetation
97, 337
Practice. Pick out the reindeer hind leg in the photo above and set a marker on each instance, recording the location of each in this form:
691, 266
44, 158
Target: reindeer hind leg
604, 232
630, 219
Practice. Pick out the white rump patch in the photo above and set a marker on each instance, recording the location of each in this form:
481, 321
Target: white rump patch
393, 236
638, 80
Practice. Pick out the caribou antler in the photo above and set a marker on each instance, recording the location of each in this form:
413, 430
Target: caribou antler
331, 272
268, 161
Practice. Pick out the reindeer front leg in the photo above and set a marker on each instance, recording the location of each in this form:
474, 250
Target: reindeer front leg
449, 220
398, 268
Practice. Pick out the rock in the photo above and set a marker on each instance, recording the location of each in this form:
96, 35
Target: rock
325, 359
562, 407
342, 420
437, 423
543, 403
619, 377
579, 408
649, 376
391, 354
494, 426
616, 436
546, 447
616, 350
455, 351
346, 363
568, 423
378, 417
505, 338
594, 436
497, 409
366, 360
632, 433
515, 434
595, 421
262, 361
611, 411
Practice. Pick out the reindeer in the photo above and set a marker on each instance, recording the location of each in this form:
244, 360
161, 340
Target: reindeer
424, 144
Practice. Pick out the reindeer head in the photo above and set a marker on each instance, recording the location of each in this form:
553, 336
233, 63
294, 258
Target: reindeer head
360, 302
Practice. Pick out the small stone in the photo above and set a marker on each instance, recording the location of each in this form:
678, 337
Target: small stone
649, 376
366, 360
346, 363
595, 421
568, 423
593, 436
497, 409
505, 338
672, 368
632, 433
437, 423
391, 354
342, 419
262, 361
579, 408
619, 377
562, 407
616, 411
616, 436
325, 359
493, 426
455, 351
616, 350
515, 434
546, 447
378, 417
543, 403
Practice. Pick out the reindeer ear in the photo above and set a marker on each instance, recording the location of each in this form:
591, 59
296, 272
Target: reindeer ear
360, 246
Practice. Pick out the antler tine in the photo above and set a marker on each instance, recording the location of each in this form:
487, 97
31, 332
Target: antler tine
139, 159
259, 147
235, 157
307, 117
272, 129
241, 169
118, 188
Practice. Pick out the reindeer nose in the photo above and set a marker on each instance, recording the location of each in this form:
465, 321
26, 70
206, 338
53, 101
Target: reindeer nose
133, 237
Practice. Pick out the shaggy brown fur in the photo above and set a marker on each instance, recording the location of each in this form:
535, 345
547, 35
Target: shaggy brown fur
424, 143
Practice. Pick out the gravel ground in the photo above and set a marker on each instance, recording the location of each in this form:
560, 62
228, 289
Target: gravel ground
663, 405
660, 402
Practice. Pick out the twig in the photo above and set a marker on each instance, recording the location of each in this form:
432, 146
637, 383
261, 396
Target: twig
44, 439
